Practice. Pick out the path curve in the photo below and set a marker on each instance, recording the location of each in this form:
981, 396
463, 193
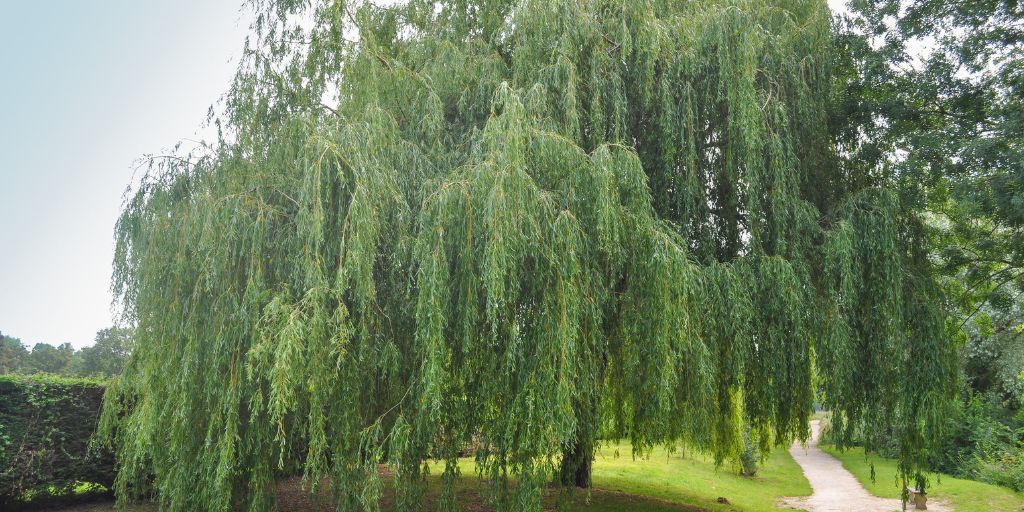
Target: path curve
835, 488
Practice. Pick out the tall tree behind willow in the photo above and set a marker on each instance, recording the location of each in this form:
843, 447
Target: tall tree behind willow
940, 96
533, 224
935, 100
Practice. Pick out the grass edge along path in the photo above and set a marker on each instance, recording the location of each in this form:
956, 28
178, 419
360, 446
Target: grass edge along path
694, 480
962, 495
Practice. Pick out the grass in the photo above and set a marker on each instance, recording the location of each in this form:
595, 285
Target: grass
665, 482
696, 481
963, 495
658, 483
52, 496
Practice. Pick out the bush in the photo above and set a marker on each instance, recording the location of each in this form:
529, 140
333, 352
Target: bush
983, 441
750, 456
45, 426
1003, 468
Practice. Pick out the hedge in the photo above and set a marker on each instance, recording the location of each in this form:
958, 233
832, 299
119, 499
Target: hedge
46, 423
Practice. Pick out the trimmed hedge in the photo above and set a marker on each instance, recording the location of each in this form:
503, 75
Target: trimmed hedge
46, 423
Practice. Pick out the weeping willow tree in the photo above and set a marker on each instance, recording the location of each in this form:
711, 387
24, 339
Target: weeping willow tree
527, 225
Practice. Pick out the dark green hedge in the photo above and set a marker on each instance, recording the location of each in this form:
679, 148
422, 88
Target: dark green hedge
45, 426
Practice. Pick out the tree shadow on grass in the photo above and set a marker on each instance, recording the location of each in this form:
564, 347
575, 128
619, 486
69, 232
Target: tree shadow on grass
470, 492
471, 495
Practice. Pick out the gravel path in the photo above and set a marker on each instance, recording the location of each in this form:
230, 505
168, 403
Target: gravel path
835, 489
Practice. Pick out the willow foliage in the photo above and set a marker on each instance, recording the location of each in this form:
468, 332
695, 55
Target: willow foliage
526, 225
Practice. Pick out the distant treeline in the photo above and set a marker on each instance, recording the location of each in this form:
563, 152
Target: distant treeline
106, 357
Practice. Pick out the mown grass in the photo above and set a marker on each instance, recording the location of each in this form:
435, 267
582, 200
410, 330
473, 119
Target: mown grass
695, 480
963, 495
659, 482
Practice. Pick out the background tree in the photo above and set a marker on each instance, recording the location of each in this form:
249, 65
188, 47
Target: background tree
532, 226
107, 356
934, 99
994, 358
12, 354
46, 358
941, 97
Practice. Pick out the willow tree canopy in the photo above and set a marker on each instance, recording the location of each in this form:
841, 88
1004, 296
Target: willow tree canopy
529, 225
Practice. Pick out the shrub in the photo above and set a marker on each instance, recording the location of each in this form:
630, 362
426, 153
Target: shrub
983, 441
1004, 468
46, 423
750, 456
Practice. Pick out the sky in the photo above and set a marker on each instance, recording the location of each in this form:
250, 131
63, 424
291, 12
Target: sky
86, 89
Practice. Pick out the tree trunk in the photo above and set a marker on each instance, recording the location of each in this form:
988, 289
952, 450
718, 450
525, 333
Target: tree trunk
577, 464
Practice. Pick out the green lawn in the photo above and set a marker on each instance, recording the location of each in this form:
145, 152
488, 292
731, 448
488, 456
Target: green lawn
696, 481
663, 482
660, 483
963, 495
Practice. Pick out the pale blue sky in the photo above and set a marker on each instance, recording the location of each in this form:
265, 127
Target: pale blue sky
86, 88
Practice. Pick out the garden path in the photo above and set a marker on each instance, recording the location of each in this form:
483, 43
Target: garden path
835, 489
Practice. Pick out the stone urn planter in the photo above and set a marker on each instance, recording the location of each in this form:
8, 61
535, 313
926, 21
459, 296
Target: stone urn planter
918, 498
